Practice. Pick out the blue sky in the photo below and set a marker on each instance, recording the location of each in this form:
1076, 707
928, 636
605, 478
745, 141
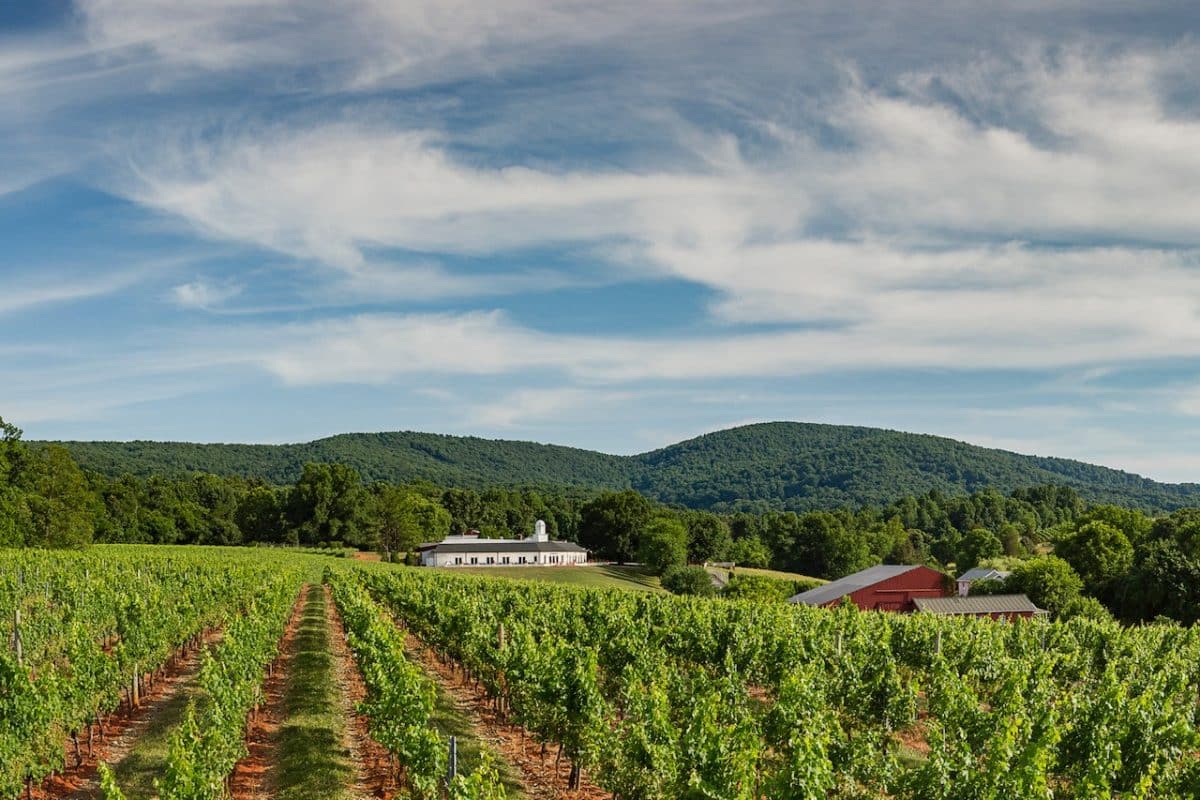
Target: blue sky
608, 225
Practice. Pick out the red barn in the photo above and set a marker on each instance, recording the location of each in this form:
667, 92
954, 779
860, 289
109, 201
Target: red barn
882, 588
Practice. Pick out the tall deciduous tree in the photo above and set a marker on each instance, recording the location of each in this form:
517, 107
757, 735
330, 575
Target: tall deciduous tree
611, 525
708, 537
978, 544
749, 551
328, 504
259, 515
1099, 552
403, 519
664, 544
14, 513
1050, 582
61, 504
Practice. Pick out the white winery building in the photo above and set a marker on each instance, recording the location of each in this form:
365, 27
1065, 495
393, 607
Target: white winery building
472, 550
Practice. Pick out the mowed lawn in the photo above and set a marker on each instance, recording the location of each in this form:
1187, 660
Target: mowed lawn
771, 573
600, 575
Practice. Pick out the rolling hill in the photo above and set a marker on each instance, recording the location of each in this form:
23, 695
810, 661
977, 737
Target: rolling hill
778, 465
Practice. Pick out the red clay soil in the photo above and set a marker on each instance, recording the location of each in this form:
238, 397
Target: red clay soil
914, 737
373, 777
540, 778
252, 776
121, 729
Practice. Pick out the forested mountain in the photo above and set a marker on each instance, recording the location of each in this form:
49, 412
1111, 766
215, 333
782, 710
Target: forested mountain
802, 466
779, 465
465, 461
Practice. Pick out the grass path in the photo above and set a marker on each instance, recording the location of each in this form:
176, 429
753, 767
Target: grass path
147, 757
452, 719
312, 759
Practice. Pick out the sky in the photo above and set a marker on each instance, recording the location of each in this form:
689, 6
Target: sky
609, 225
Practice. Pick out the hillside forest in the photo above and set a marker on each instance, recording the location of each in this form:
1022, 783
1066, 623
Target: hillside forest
1071, 557
774, 466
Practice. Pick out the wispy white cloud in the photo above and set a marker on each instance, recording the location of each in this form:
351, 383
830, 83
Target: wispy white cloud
538, 406
17, 297
204, 295
359, 44
380, 348
332, 191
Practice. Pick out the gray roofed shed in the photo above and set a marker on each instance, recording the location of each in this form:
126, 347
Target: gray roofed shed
980, 605
983, 574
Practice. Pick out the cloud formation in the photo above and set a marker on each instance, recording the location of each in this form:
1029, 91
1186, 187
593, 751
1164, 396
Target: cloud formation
385, 193
959, 241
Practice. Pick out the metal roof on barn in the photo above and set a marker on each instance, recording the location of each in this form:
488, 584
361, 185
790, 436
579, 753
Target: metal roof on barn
835, 590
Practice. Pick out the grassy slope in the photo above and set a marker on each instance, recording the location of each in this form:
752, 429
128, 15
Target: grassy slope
630, 578
771, 573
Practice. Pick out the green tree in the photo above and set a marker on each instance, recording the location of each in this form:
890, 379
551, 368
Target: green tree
689, 580
708, 537
1083, 607
1132, 523
978, 544
762, 588
750, 551
1165, 580
611, 525
1011, 540
826, 548
402, 520
61, 504
259, 516
328, 504
1050, 582
14, 512
664, 544
1099, 552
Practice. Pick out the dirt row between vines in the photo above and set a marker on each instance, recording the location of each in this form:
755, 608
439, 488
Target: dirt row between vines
116, 737
541, 777
371, 757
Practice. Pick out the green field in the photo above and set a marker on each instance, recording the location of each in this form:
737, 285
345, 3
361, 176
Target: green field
604, 576
768, 573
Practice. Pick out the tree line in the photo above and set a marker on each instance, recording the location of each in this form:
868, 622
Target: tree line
1137, 565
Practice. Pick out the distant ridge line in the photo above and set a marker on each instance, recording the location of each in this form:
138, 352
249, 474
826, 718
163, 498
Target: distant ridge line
761, 466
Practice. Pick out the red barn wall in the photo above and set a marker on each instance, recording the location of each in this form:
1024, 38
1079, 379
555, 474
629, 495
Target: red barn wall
897, 593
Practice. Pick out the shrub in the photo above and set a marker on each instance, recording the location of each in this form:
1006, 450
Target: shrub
689, 580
